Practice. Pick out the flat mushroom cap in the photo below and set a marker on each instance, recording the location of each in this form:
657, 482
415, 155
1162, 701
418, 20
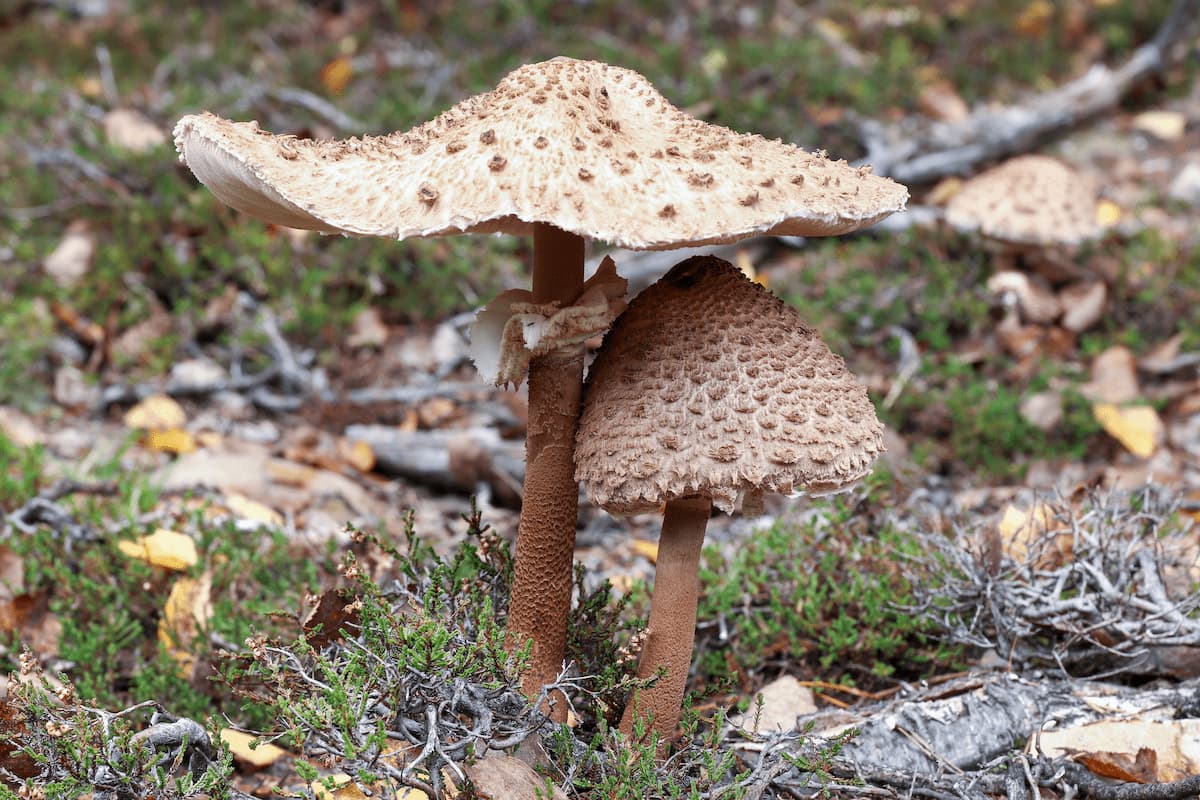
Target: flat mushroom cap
590, 148
708, 384
1029, 200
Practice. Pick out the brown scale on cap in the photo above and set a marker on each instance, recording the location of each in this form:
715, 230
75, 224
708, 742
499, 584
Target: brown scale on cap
703, 345
1030, 200
504, 160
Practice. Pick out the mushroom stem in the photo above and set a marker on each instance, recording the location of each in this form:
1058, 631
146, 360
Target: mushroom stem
672, 627
542, 579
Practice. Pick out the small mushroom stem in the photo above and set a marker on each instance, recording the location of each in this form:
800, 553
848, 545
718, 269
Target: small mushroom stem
672, 627
543, 577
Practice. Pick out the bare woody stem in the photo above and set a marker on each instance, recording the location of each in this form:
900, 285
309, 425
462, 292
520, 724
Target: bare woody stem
672, 626
541, 591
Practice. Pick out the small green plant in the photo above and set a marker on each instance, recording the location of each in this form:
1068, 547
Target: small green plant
828, 593
405, 673
58, 748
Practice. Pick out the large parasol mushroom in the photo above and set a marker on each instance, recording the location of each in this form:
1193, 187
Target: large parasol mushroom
564, 150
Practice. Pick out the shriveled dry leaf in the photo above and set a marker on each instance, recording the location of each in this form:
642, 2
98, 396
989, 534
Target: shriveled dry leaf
19, 428
1114, 377
783, 700
163, 548
1165, 125
1083, 305
1032, 295
264, 755
941, 101
135, 341
12, 572
367, 329
508, 778
646, 549
1137, 428
72, 258
243, 508
157, 412
1176, 743
347, 790
1139, 768
1159, 358
1042, 410
332, 613
27, 616
132, 130
172, 440
188, 608
436, 411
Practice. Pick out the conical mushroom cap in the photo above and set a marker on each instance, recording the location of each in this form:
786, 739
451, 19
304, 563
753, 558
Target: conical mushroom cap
708, 384
1029, 200
590, 148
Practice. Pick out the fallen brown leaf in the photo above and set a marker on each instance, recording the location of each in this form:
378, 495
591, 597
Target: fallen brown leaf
157, 412
1140, 768
1113, 378
72, 257
163, 548
132, 130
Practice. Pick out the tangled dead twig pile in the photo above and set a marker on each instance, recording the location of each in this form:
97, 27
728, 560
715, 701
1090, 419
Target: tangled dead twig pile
1104, 588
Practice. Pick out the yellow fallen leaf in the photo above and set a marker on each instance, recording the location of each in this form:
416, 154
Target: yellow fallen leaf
90, 86
291, 473
647, 549
239, 744
345, 789
243, 507
714, 62
188, 608
941, 193
336, 75
1165, 125
157, 412
172, 440
357, 454
1016, 522
1108, 213
1137, 428
163, 548
1022, 529
1034, 20
747, 267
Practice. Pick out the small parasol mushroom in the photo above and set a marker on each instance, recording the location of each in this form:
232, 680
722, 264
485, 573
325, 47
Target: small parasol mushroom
564, 150
707, 390
1031, 205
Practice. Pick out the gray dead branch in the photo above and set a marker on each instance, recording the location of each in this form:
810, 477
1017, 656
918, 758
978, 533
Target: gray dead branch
468, 460
917, 150
968, 738
1104, 589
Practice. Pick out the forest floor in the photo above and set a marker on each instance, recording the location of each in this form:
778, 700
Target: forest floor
169, 365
